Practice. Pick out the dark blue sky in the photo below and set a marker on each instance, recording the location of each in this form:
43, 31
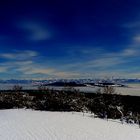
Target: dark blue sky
69, 39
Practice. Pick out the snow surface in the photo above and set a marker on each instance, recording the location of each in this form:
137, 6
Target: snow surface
40, 125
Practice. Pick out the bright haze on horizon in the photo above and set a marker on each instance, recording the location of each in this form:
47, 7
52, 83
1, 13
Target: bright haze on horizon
69, 39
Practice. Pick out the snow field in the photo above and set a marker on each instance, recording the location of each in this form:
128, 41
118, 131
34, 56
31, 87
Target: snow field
41, 125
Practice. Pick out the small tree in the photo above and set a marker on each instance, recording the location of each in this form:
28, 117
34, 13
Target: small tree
108, 90
98, 91
17, 88
42, 88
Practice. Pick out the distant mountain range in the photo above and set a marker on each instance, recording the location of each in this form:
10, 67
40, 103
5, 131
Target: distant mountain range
73, 82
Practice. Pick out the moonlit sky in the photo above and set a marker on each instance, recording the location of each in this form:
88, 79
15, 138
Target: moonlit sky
69, 39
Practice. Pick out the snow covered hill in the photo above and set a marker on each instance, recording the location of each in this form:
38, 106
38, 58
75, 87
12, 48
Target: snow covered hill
36, 125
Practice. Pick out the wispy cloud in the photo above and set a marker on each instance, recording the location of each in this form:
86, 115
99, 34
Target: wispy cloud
23, 64
137, 38
33, 70
67, 75
47, 72
19, 55
35, 31
95, 63
3, 69
129, 52
103, 62
132, 25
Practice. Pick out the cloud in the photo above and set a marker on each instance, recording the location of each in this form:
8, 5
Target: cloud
105, 62
28, 63
35, 31
19, 55
137, 38
99, 59
132, 75
34, 70
67, 75
136, 41
133, 29
130, 52
24, 64
50, 72
133, 49
3, 69
132, 25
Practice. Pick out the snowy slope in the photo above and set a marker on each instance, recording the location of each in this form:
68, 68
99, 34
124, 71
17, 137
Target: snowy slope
36, 125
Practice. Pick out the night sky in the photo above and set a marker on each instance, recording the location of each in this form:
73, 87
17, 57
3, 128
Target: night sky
69, 39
